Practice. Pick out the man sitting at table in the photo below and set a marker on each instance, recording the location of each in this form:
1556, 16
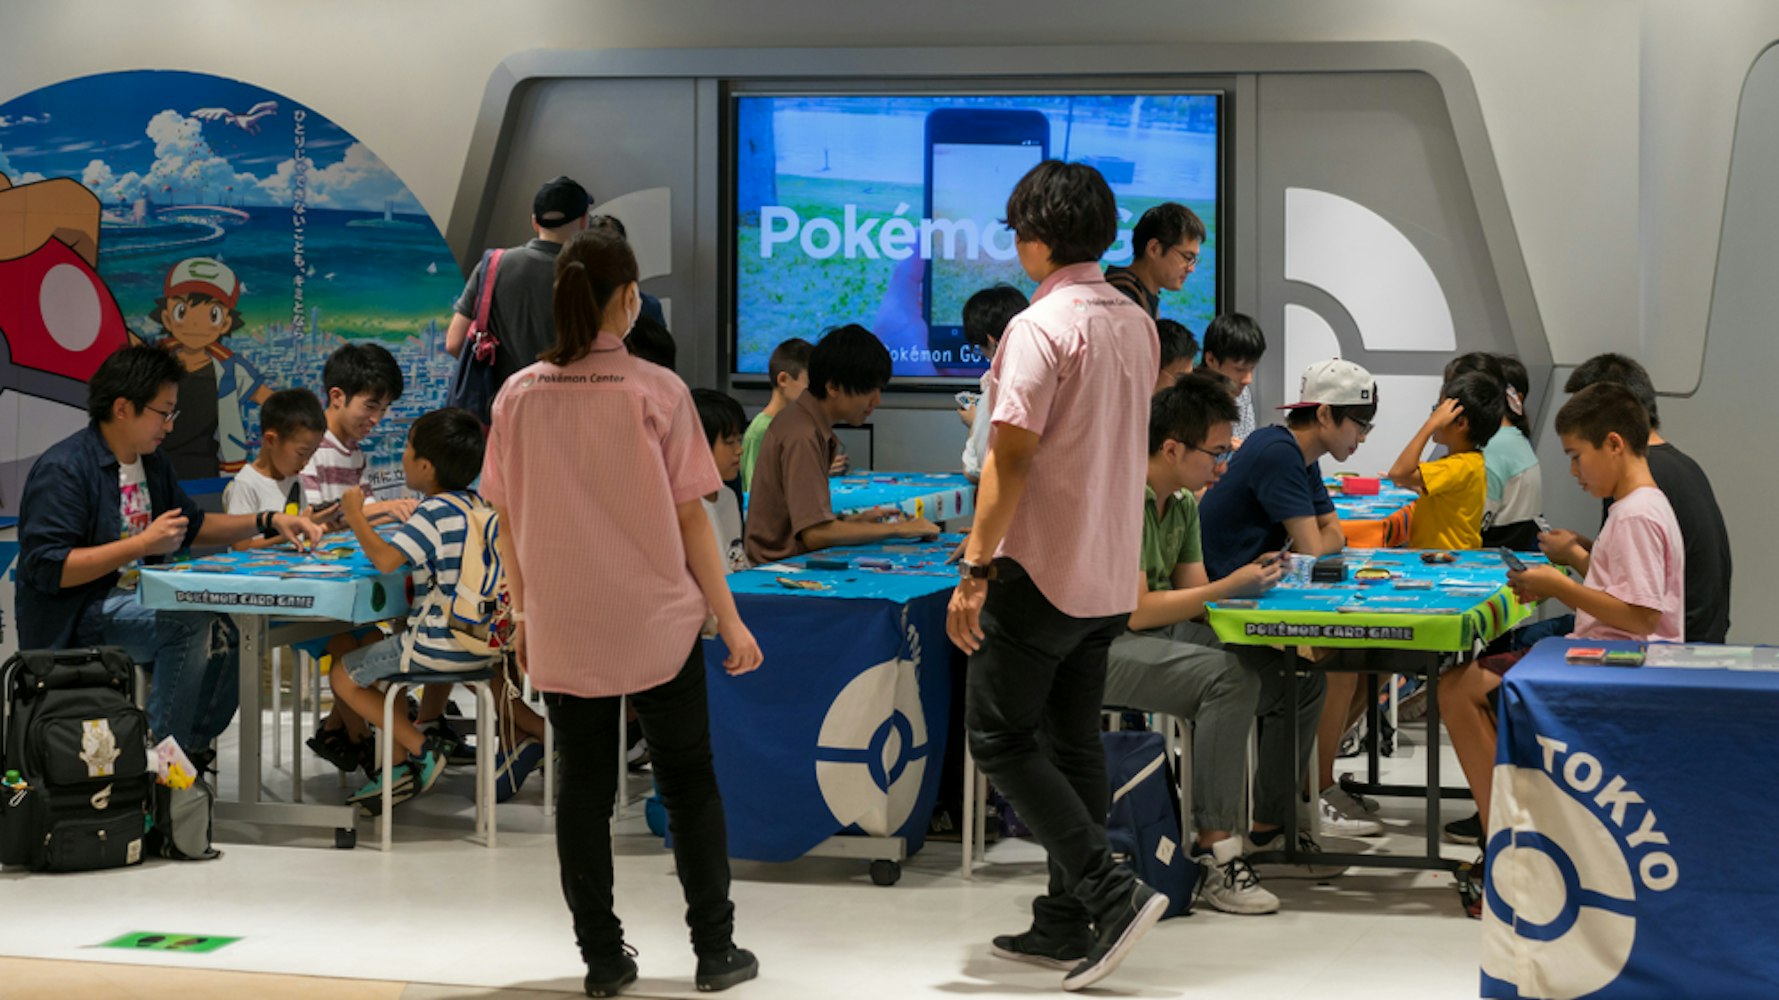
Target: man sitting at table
1634, 577
100, 505
1272, 496
790, 512
1172, 663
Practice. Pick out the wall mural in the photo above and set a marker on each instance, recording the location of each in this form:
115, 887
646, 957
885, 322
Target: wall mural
241, 230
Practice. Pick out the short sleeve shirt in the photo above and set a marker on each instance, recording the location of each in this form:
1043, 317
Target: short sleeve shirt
1267, 483
520, 313
1076, 368
334, 468
1449, 515
1515, 484
790, 488
1170, 539
588, 462
750, 446
252, 491
1639, 558
432, 540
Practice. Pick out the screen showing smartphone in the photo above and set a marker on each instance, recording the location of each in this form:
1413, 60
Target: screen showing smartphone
1513, 561
974, 156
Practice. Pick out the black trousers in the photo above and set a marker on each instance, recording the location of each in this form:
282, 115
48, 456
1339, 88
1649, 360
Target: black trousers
1033, 718
675, 719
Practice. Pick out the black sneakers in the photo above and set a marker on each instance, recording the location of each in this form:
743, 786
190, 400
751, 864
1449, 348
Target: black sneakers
730, 968
1116, 935
1465, 831
608, 976
1038, 948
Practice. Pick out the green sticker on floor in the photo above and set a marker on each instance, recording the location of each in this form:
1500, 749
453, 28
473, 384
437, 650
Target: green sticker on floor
156, 941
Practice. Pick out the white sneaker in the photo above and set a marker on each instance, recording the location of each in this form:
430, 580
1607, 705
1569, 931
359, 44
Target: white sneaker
1343, 816
1268, 859
1228, 882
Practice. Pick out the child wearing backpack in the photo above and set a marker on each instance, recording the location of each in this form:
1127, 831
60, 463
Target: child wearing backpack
445, 633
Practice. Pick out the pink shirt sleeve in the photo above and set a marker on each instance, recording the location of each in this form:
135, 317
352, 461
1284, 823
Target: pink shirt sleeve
691, 471
1027, 371
493, 485
1638, 563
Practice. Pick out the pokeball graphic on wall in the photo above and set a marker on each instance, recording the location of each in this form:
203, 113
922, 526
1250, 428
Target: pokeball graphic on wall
873, 749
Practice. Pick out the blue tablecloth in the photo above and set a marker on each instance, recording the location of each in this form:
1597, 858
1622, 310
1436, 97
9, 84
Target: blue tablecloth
843, 728
1634, 816
336, 582
936, 495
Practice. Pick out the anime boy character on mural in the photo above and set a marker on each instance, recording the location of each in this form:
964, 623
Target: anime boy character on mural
197, 308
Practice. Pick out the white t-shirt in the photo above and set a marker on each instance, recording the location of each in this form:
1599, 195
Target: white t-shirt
725, 523
253, 491
976, 447
135, 513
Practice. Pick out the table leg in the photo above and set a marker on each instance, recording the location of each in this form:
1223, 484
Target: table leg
1292, 855
1433, 789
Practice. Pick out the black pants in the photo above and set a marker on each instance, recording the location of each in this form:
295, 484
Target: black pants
676, 721
1033, 718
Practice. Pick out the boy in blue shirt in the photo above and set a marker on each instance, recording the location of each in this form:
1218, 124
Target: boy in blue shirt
442, 459
101, 504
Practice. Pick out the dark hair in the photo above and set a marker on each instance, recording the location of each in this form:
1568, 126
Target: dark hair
290, 410
720, 414
852, 358
137, 374
1305, 416
1186, 410
610, 222
1171, 223
1234, 337
1483, 398
1475, 361
790, 357
1176, 341
987, 313
1519, 384
650, 341
363, 370
1066, 206
452, 440
196, 299
592, 268
1218, 379
1606, 408
1621, 370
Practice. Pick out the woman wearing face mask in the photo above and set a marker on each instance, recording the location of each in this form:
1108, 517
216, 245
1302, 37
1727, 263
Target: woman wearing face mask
597, 464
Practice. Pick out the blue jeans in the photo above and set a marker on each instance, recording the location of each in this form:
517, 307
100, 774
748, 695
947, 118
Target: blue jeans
194, 662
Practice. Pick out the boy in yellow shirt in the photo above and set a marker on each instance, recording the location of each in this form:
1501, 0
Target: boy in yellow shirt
1453, 489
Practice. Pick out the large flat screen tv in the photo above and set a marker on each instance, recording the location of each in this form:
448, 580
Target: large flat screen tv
888, 210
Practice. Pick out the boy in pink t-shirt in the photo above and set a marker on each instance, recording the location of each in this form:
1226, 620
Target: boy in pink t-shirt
1633, 584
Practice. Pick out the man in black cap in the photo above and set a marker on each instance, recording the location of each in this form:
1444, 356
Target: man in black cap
519, 314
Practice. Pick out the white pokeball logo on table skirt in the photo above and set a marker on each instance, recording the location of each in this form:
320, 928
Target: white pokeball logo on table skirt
1561, 899
871, 755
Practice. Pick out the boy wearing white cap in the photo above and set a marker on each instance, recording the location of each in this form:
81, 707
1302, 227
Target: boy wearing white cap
1271, 494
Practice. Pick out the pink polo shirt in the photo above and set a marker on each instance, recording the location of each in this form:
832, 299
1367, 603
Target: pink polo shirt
1076, 368
589, 461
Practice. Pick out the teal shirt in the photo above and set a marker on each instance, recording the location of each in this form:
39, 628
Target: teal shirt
1169, 539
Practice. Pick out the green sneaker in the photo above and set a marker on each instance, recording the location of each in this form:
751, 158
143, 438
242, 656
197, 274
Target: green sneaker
369, 799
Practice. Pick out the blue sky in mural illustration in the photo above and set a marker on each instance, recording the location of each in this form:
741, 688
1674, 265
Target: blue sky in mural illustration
185, 137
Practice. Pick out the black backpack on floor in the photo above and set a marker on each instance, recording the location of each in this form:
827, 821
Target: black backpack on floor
70, 728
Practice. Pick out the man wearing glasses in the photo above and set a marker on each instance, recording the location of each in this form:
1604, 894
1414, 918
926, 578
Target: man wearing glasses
1271, 497
1164, 250
1170, 662
98, 505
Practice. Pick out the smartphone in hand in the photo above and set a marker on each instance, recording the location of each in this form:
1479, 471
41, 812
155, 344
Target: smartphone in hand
1513, 561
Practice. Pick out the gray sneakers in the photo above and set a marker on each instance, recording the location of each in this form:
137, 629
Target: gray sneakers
1228, 882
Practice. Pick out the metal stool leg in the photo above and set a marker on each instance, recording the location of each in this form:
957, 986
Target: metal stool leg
298, 680
278, 707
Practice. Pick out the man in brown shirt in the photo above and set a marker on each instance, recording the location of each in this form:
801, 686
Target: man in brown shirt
789, 510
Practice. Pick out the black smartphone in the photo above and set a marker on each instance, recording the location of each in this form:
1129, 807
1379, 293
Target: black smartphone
973, 157
1514, 562
325, 510
1543, 525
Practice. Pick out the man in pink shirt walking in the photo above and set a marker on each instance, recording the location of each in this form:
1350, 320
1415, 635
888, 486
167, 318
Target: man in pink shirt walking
1048, 571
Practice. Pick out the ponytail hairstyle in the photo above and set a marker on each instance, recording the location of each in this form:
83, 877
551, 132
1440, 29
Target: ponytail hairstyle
591, 269
1519, 386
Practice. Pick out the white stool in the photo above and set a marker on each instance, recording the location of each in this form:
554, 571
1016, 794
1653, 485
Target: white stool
480, 683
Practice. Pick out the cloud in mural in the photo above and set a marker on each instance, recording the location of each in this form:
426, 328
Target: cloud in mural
15, 175
360, 180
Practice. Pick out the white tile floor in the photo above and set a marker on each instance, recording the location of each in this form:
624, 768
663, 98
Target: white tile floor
441, 909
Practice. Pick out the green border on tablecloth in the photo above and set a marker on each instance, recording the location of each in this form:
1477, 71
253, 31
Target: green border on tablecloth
1435, 632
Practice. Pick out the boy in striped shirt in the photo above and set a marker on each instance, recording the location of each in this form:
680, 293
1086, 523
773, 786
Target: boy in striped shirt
362, 381
442, 459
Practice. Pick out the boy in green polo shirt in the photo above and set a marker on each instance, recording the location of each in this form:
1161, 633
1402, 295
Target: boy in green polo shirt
1168, 662
789, 370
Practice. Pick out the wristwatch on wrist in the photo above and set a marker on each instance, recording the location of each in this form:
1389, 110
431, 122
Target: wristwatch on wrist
266, 528
967, 570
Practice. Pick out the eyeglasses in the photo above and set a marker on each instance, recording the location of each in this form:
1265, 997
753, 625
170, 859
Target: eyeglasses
1363, 425
1191, 259
1221, 457
167, 416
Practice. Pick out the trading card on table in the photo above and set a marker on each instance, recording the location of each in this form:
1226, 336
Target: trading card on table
1585, 654
1623, 658
1237, 603
785, 581
1439, 556
1414, 584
